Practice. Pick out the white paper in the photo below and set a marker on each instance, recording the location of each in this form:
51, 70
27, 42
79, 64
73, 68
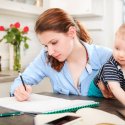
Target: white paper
42, 104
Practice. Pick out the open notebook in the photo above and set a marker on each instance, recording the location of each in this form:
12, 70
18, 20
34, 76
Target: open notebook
45, 104
85, 116
121, 111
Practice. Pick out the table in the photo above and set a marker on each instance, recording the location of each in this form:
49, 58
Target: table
109, 105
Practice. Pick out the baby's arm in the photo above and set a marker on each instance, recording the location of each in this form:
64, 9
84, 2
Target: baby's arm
117, 91
105, 91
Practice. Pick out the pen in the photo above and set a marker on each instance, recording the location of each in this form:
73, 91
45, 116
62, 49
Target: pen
22, 80
8, 114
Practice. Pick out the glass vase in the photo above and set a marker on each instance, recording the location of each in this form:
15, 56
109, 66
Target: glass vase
17, 58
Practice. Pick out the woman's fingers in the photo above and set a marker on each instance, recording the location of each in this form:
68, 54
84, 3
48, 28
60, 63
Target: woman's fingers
28, 88
20, 93
105, 91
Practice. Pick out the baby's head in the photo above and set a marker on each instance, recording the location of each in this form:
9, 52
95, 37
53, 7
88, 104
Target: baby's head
119, 46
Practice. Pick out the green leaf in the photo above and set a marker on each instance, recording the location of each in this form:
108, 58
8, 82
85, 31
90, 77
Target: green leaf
14, 36
26, 45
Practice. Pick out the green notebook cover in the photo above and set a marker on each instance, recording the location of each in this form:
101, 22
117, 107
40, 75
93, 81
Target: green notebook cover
72, 109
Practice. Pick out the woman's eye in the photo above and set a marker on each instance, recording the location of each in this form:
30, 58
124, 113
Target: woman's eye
53, 43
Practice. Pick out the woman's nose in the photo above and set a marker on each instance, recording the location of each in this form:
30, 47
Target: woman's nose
50, 50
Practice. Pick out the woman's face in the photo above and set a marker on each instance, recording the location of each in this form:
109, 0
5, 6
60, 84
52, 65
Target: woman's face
119, 49
58, 45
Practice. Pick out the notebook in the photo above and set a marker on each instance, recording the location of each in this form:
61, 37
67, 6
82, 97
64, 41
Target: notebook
122, 112
46, 104
84, 116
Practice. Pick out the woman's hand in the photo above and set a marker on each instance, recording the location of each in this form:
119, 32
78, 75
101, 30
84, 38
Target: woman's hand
105, 91
21, 94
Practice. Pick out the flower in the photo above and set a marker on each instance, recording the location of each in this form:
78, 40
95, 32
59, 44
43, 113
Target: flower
15, 35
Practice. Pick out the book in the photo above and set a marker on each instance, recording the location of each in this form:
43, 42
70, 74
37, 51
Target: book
121, 112
84, 116
46, 104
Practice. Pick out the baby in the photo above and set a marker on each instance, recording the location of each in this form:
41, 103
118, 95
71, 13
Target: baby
112, 74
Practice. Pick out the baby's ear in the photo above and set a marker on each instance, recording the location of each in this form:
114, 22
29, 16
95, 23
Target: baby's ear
72, 31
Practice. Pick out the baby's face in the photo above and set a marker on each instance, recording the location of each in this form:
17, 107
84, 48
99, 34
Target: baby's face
119, 49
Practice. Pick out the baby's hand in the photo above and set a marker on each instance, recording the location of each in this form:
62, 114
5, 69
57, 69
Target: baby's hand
105, 91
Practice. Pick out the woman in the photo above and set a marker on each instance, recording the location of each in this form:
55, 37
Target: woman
68, 59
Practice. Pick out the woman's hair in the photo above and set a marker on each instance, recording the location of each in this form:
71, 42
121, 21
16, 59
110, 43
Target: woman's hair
56, 19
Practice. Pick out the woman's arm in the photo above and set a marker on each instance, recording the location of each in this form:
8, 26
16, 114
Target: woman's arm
117, 91
35, 72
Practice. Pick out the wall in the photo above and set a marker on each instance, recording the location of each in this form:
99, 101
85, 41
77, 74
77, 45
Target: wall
102, 29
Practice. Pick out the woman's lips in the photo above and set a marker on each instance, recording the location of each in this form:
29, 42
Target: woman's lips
57, 56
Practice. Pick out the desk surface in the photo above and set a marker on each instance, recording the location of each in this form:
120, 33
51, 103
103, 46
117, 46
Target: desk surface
109, 105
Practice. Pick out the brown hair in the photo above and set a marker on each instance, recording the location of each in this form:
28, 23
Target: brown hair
58, 20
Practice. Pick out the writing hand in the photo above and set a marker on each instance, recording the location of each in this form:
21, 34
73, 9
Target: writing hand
21, 94
105, 91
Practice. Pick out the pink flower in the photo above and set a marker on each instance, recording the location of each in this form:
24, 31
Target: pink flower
17, 25
15, 35
25, 29
2, 28
11, 25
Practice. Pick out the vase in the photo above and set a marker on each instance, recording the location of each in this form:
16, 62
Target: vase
14, 57
17, 58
